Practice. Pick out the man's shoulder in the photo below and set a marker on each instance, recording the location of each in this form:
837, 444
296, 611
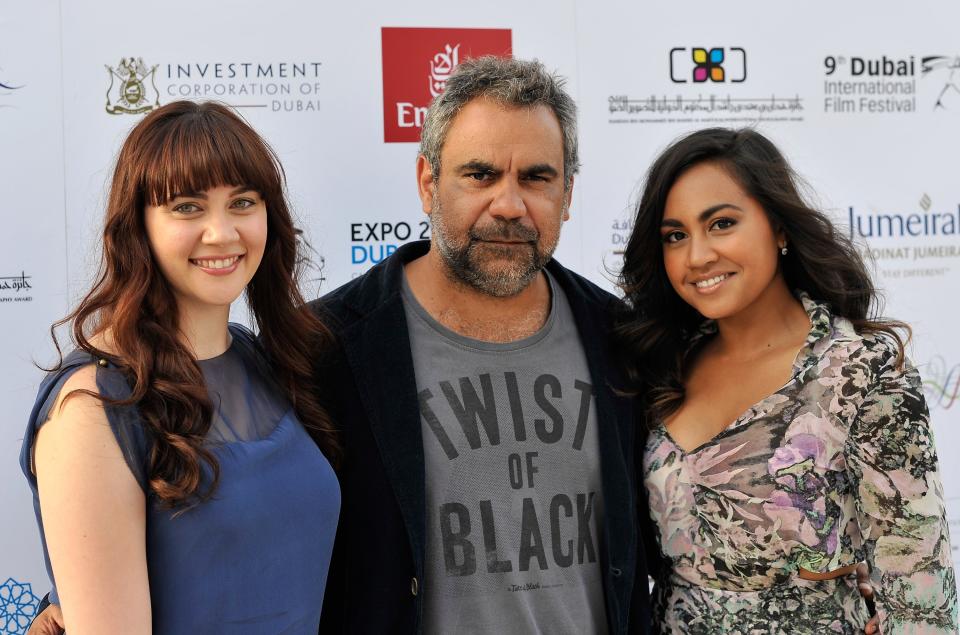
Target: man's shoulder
338, 297
340, 306
378, 285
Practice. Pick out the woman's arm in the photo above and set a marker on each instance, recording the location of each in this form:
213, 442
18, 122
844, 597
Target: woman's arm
94, 516
893, 465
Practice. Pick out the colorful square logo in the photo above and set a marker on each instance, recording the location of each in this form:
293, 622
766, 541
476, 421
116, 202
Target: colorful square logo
708, 65
416, 65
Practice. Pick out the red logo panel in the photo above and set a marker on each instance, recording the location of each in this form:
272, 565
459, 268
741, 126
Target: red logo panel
416, 65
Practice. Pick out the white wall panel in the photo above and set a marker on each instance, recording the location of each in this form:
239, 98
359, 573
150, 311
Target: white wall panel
309, 77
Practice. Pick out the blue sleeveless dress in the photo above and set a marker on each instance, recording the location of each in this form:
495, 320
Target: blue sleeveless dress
254, 559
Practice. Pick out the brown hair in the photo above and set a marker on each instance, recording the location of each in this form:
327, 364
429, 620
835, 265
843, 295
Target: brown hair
657, 325
190, 147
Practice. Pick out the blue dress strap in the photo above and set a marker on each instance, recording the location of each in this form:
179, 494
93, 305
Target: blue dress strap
125, 421
248, 343
244, 337
252, 351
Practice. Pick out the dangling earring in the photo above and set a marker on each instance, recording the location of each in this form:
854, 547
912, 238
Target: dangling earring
783, 250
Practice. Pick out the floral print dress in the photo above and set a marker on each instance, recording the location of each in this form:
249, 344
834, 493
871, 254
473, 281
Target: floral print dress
835, 468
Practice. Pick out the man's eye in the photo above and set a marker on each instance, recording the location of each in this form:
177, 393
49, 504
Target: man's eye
478, 176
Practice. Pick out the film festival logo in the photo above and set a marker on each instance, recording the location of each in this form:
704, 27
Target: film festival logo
416, 65
133, 88
946, 67
701, 65
889, 85
711, 72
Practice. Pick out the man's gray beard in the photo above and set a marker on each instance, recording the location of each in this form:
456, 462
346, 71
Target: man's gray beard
464, 263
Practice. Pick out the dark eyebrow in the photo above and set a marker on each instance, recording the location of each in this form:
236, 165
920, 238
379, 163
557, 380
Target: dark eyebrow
703, 216
237, 190
540, 169
476, 165
188, 195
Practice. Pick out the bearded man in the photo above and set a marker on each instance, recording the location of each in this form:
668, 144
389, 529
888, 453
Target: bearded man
489, 480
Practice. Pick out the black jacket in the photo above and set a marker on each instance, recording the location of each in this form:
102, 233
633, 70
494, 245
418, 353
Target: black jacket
368, 380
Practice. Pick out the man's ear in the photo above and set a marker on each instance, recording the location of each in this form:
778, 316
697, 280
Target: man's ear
425, 184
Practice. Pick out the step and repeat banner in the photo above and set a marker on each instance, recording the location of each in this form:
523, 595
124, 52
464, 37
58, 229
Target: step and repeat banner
863, 97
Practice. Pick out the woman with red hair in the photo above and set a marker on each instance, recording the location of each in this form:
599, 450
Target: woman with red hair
176, 486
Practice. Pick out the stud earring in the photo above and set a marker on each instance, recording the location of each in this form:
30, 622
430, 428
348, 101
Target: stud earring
783, 250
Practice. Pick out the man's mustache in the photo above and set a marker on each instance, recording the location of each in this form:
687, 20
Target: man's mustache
505, 231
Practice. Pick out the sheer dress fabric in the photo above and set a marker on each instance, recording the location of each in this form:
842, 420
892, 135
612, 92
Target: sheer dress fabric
254, 559
836, 467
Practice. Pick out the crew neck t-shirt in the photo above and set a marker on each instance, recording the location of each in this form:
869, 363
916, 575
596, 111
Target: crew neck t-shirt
514, 509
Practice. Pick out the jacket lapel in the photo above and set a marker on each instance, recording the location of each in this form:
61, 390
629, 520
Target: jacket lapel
615, 431
377, 347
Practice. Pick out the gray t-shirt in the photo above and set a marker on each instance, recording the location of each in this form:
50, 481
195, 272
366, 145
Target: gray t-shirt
514, 503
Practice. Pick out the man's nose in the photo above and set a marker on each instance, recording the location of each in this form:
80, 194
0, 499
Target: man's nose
507, 201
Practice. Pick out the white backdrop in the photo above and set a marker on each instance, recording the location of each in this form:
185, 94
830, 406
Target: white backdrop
864, 98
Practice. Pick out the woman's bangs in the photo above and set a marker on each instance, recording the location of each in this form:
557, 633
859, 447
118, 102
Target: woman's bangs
199, 154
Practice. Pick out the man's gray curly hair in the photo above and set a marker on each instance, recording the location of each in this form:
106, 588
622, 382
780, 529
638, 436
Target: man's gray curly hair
508, 81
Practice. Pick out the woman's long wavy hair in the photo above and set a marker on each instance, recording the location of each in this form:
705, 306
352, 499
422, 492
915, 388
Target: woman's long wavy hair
657, 325
190, 147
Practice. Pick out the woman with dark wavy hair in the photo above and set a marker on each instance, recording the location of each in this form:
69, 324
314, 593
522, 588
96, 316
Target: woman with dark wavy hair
176, 486
788, 435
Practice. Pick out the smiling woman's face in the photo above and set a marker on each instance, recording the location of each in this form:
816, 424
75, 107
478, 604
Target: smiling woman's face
719, 249
208, 244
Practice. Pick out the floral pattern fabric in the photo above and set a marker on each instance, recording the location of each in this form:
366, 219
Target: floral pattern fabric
837, 467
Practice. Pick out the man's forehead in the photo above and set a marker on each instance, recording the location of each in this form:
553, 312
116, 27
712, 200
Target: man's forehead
485, 130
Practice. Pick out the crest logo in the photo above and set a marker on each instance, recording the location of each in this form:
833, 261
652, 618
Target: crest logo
129, 92
416, 66
708, 65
